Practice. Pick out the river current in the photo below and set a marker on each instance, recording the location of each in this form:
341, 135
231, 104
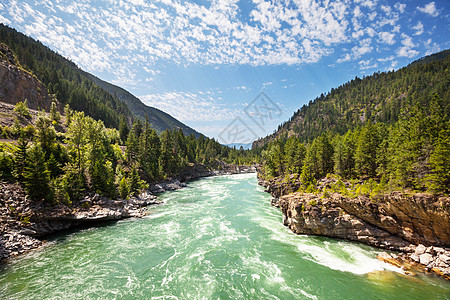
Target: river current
218, 238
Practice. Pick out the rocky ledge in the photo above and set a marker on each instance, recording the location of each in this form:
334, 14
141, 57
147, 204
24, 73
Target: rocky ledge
396, 222
24, 223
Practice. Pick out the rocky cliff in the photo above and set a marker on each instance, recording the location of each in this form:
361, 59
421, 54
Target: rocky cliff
396, 221
17, 84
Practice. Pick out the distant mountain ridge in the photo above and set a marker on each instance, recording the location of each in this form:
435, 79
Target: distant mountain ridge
160, 120
376, 98
245, 146
82, 90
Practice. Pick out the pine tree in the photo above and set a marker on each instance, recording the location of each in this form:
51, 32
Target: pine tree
76, 138
123, 129
21, 158
439, 179
123, 188
54, 113
132, 152
37, 177
45, 133
366, 151
68, 114
344, 162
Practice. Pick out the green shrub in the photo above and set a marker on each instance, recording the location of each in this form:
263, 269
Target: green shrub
313, 202
21, 110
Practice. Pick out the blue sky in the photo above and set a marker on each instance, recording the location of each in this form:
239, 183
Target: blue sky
205, 62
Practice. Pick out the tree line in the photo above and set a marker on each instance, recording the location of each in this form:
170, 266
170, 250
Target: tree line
412, 153
60, 159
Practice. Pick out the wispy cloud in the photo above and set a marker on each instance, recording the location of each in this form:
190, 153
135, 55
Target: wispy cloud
187, 106
418, 28
121, 36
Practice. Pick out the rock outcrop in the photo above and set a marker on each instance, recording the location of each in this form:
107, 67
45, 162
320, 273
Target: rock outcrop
309, 214
17, 84
419, 218
278, 186
23, 222
397, 221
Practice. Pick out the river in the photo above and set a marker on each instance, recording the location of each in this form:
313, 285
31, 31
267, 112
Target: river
218, 238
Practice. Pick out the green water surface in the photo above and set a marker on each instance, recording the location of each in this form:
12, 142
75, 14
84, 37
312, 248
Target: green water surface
219, 238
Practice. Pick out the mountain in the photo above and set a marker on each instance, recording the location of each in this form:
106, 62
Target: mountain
160, 120
81, 90
17, 83
376, 98
246, 146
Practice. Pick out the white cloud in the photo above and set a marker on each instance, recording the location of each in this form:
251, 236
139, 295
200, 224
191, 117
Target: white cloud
430, 9
407, 49
400, 7
347, 57
266, 84
431, 47
4, 20
367, 64
122, 36
363, 48
389, 58
387, 37
392, 66
418, 28
187, 106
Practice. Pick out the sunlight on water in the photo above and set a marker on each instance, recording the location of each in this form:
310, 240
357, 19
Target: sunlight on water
219, 238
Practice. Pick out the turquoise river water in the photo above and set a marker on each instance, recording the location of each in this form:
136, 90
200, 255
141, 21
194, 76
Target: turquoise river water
218, 238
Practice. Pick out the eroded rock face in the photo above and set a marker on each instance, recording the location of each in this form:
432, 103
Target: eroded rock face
396, 222
308, 214
17, 85
383, 222
23, 222
419, 219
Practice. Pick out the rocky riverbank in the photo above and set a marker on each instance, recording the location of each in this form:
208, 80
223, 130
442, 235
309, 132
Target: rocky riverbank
396, 222
24, 223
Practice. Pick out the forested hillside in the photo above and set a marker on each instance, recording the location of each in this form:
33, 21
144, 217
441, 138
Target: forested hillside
60, 159
81, 90
376, 98
389, 131
160, 120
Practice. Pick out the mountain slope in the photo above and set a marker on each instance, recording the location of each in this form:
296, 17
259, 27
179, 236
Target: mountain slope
64, 79
376, 98
18, 84
160, 120
81, 90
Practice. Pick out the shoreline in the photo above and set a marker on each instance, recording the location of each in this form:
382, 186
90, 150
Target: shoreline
412, 231
24, 224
